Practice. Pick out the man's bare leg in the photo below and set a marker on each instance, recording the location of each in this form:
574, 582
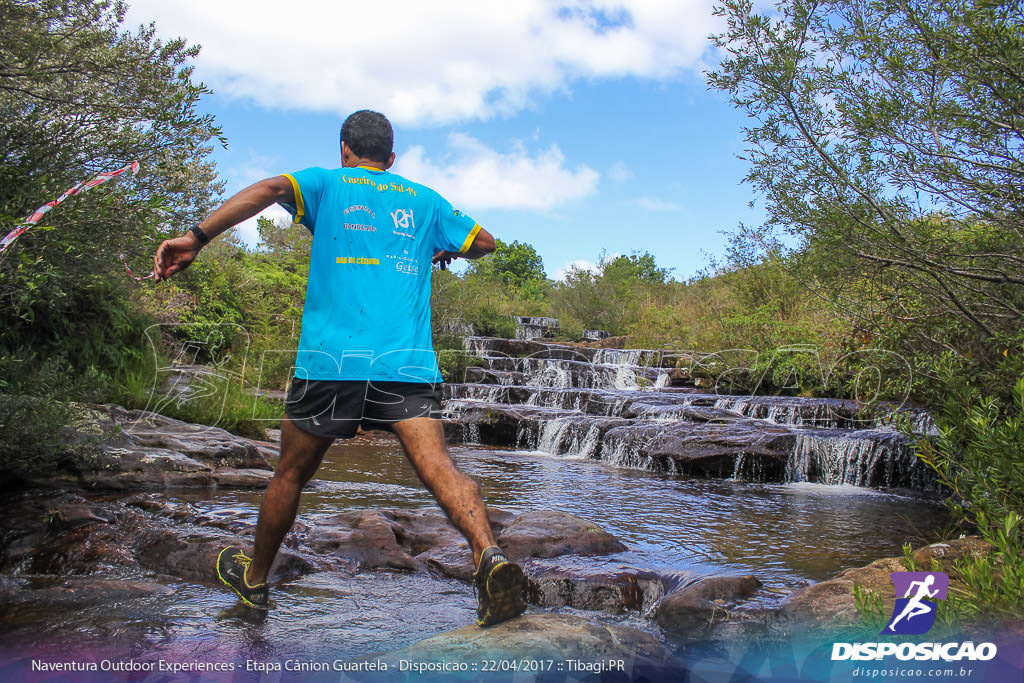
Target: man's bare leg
499, 583
301, 454
458, 495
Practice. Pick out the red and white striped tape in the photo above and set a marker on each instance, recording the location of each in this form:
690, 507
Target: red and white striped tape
38, 214
120, 255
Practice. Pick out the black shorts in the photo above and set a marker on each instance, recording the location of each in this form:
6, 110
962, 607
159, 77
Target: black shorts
336, 409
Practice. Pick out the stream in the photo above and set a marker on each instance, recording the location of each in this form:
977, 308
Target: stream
686, 479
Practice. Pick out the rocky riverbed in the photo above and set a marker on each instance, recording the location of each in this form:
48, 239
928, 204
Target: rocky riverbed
114, 535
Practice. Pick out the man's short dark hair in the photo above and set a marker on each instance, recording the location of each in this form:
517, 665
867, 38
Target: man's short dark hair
369, 135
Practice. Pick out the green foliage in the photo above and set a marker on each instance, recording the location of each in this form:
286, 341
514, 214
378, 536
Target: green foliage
81, 96
453, 364
870, 609
239, 306
33, 413
517, 264
92, 325
994, 583
977, 454
886, 137
636, 267
613, 298
980, 444
220, 399
472, 303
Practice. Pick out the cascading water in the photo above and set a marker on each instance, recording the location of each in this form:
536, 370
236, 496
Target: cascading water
619, 406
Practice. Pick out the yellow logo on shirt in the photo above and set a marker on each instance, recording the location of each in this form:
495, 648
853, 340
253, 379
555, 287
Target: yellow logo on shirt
359, 260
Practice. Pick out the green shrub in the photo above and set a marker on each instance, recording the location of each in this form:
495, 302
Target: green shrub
978, 454
34, 411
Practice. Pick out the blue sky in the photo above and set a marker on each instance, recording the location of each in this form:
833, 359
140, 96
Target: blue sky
578, 127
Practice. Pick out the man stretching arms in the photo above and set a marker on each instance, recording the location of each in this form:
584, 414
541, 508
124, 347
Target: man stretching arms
366, 355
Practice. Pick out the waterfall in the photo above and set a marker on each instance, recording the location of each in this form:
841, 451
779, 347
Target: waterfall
864, 458
620, 407
568, 438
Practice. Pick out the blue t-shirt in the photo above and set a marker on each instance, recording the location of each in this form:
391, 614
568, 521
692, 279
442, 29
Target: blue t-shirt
367, 312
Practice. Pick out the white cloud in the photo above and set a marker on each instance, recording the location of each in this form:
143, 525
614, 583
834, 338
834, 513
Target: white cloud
578, 264
247, 229
254, 168
620, 172
475, 176
429, 62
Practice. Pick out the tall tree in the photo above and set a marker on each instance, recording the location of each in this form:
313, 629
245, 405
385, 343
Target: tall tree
79, 95
889, 136
517, 264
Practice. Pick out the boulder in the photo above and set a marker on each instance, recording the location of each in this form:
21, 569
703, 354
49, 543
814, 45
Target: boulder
196, 558
424, 539
366, 538
592, 585
546, 533
73, 515
182, 513
832, 603
117, 448
78, 592
701, 604
563, 646
747, 448
61, 535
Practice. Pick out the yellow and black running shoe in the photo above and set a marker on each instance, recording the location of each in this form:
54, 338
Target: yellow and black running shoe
232, 564
499, 588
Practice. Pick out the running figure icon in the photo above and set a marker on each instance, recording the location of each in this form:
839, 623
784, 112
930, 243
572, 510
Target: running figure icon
915, 605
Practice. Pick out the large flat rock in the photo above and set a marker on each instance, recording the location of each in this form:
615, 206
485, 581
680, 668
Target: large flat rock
115, 448
831, 602
567, 647
424, 540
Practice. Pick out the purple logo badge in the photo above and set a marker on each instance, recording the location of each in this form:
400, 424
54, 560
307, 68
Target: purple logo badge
916, 593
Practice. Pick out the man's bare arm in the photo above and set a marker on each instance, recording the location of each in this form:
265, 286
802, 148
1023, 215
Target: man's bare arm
482, 245
174, 255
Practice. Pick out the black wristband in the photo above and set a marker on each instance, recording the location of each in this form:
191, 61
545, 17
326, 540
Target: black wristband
200, 235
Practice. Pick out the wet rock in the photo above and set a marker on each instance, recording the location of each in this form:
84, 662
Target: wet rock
122, 449
496, 346
489, 425
196, 558
364, 537
184, 513
946, 553
703, 603
492, 393
573, 642
521, 426
831, 602
77, 552
601, 586
73, 515
759, 452
244, 478
81, 592
64, 534
545, 533
610, 343
424, 540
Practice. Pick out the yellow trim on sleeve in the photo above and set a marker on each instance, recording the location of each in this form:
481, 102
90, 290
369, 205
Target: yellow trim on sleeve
300, 207
469, 239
